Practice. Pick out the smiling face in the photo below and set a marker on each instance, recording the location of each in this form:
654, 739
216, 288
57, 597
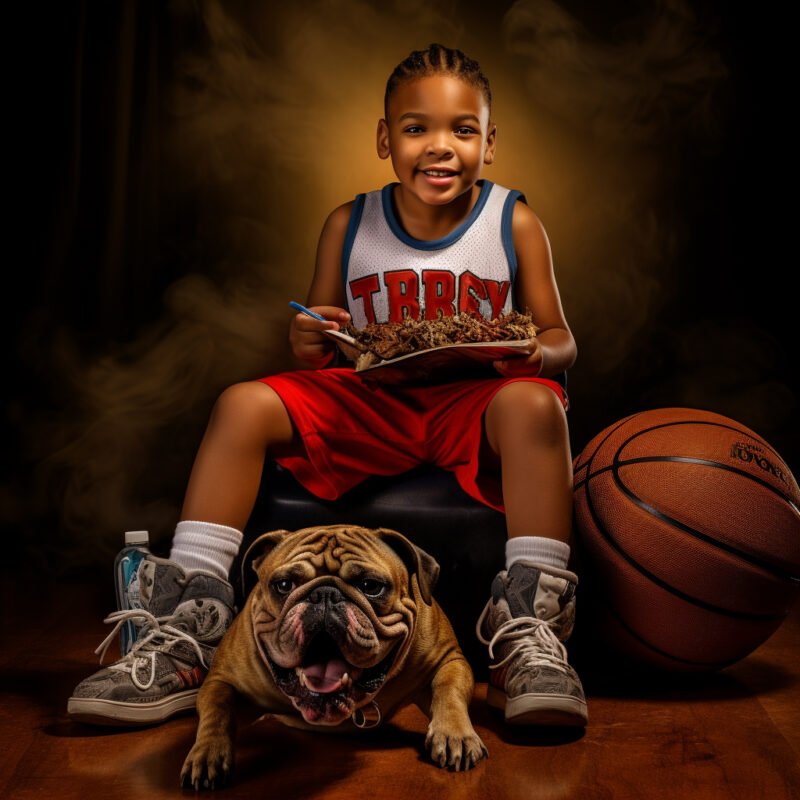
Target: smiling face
438, 135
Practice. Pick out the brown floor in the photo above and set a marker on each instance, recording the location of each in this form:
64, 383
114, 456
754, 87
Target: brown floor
732, 735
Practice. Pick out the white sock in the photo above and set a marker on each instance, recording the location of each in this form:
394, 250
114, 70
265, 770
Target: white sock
538, 549
205, 545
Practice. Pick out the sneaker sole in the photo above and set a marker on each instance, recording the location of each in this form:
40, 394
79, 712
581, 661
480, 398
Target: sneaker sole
539, 709
113, 712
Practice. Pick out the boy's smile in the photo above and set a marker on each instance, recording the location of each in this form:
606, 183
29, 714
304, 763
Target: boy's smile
438, 136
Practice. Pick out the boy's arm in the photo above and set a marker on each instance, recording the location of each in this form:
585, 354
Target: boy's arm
536, 290
325, 296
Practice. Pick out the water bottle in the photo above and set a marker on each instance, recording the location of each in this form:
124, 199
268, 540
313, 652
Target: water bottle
126, 580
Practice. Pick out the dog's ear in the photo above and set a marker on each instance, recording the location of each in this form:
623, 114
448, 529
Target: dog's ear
417, 561
262, 546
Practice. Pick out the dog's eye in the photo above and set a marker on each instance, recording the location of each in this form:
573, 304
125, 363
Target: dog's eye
370, 587
283, 586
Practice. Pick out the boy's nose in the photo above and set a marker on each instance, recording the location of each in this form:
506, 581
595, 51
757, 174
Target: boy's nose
439, 143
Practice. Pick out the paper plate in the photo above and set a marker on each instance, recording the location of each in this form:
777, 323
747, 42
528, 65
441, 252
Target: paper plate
449, 362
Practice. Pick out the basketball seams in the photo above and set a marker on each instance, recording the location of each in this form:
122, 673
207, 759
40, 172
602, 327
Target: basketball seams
613, 430
708, 463
717, 543
658, 581
690, 460
746, 432
743, 431
650, 646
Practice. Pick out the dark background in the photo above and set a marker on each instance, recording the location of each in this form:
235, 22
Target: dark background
152, 222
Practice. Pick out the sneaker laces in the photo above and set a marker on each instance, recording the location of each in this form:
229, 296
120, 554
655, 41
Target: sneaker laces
535, 639
159, 636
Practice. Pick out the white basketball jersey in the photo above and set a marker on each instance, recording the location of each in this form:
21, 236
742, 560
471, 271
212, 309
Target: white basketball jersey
388, 275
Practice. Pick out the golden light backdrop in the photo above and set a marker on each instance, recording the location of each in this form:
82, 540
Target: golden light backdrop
285, 103
272, 119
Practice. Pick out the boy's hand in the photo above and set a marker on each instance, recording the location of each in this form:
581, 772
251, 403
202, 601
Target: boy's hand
308, 342
523, 367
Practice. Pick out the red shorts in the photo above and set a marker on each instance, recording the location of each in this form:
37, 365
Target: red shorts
352, 430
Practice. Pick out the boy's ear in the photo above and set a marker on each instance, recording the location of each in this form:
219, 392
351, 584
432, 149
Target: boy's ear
491, 137
383, 139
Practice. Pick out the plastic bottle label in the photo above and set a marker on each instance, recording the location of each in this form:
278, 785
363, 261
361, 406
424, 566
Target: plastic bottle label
129, 592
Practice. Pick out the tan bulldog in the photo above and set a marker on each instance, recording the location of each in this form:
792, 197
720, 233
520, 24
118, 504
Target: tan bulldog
340, 630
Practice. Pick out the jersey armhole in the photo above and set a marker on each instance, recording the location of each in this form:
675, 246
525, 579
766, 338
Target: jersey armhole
350, 235
505, 230
511, 255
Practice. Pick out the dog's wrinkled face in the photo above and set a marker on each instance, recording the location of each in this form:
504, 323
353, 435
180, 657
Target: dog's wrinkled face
333, 615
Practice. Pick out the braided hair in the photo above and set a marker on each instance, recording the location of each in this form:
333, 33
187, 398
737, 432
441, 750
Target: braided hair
437, 60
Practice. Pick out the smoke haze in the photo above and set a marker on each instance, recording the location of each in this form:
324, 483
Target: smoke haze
271, 125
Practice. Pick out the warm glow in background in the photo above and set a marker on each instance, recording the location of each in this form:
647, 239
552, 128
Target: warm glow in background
611, 123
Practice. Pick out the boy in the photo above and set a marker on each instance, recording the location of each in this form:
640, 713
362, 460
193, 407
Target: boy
440, 241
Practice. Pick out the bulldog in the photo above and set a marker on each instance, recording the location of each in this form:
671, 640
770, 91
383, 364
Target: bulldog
340, 630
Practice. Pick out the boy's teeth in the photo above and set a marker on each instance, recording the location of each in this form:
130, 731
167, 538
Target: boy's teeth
437, 173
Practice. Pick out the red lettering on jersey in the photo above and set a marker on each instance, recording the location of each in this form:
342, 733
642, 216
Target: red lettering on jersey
471, 290
440, 292
403, 287
498, 292
365, 288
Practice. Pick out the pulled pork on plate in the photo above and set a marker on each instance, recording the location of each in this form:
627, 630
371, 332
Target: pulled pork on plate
381, 342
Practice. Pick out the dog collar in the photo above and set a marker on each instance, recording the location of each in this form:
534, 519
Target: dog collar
369, 716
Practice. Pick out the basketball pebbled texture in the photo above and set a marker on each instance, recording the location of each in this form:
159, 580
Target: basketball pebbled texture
690, 525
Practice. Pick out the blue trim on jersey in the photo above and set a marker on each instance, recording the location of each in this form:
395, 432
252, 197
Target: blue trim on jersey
350, 236
432, 244
505, 230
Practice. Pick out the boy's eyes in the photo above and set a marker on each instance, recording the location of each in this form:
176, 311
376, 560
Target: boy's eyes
461, 130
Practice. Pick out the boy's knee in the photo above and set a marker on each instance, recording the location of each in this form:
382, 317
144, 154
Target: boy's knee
250, 403
528, 405
528, 398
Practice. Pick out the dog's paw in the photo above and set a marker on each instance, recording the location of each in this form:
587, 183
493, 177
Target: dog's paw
455, 750
209, 764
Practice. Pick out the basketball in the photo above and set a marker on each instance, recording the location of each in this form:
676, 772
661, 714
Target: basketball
689, 526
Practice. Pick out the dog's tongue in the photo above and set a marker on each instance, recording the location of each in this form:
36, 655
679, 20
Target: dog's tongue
326, 676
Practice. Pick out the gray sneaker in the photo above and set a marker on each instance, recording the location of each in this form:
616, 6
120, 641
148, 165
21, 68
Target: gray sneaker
531, 612
181, 622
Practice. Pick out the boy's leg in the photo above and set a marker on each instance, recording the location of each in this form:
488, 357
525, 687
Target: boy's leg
247, 420
528, 442
186, 601
531, 612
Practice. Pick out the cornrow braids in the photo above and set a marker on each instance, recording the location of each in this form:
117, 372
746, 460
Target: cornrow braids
437, 60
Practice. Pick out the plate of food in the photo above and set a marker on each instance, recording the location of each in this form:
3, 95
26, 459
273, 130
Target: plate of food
434, 351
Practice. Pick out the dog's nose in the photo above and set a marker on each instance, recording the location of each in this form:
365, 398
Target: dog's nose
327, 595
